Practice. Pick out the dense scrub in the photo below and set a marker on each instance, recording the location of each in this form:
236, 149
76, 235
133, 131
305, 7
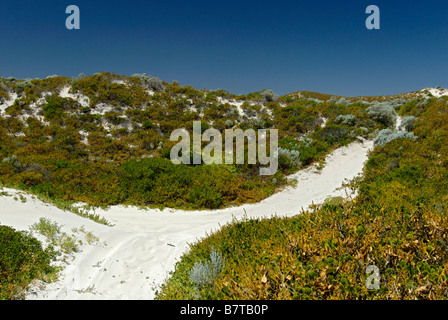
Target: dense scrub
398, 223
104, 139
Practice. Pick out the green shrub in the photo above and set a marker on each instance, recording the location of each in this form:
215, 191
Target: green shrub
288, 158
47, 189
22, 259
46, 228
333, 134
22, 85
54, 107
205, 197
141, 175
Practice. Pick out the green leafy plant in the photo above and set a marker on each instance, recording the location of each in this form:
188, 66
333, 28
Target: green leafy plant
22, 259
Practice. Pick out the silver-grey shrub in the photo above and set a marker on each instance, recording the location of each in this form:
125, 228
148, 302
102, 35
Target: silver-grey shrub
292, 156
79, 77
150, 82
347, 119
269, 95
156, 84
383, 112
204, 273
397, 103
388, 135
229, 123
306, 141
21, 86
13, 160
343, 101
407, 123
315, 100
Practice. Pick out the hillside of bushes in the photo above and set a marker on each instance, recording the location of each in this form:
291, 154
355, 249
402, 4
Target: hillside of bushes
397, 224
104, 139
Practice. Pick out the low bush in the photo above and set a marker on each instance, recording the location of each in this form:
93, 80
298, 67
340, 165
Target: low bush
150, 82
288, 159
157, 181
333, 134
388, 135
383, 112
22, 259
407, 123
269, 95
347, 119
205, 272
55, 237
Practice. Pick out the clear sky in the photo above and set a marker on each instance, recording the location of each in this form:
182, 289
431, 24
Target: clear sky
240, 46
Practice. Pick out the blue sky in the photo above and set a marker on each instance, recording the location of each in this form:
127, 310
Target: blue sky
240, 46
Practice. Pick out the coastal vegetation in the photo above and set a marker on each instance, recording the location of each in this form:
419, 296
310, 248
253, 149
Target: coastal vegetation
397, 223
104, 139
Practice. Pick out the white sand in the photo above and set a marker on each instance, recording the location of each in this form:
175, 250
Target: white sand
436, 92
82, 99
9, 102
144, 245
398, 123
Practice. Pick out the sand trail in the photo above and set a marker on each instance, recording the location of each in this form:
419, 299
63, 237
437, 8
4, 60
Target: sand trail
132, 258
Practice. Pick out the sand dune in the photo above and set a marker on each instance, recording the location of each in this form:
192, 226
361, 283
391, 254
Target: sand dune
134, 256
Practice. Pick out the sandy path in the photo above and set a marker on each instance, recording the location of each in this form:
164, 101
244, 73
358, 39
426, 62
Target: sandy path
144, 245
